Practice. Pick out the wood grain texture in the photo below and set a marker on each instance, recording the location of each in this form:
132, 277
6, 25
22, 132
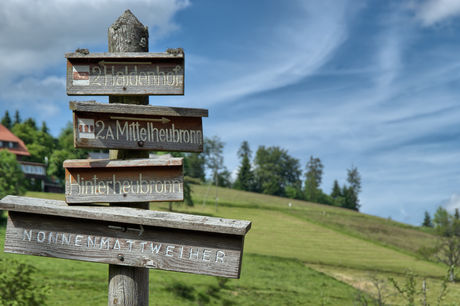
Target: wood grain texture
134, 131
124, 181
127, 215
124, 76
128, 285
147, 110
121, 55
125, 245
127, 163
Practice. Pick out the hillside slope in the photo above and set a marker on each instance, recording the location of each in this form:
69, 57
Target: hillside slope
351, 247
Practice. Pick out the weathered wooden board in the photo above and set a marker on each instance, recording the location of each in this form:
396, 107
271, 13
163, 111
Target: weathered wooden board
123, 181
124, 244
126, 215
129, 73
122, 126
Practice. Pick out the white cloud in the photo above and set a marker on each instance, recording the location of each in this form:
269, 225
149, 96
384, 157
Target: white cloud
36, 34
453, 203
434, 11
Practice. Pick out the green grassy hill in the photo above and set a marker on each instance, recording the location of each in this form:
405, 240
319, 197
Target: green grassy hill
298, 254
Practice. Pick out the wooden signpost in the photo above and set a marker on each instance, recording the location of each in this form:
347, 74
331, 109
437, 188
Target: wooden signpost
131, 239
128, 73
135, 180
122, 126
125, 236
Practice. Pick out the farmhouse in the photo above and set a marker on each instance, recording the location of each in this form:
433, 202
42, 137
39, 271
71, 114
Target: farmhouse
34, 172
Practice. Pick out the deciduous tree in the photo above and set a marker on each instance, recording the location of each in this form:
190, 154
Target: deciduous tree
448, 227
275, 170
11, 176
213, 151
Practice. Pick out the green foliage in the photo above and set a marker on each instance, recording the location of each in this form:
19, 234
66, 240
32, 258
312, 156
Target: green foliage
336, 191
350, 198
274, 170
194, 165
188, 193
17, 118
44, 128
408, 291
411, 291
39, 143
427, 220
445, 224
187, 184
6, 120
212, 293
354, 179
182, 290
313, 177
294, 191
17, 286
449, 253
2, 218
213, 151
245, 179
11, 176
223, 178
64, 150
351, 193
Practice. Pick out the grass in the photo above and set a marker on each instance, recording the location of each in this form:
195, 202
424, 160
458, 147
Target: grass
378, 230
304, 254
367, 281
265, 280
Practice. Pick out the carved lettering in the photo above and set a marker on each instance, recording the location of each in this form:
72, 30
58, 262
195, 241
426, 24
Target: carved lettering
101, 243
113, 186
134, 75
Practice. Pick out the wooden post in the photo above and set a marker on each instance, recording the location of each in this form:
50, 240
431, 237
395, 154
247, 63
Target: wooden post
128, 285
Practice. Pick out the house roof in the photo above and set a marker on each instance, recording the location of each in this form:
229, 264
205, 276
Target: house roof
6, 135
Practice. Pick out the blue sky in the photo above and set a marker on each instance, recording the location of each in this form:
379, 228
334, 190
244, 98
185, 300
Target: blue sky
373, 84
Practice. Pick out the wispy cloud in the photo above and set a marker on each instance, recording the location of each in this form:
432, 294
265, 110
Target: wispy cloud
293, 49
434, 11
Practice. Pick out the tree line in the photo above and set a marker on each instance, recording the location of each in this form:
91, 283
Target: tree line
270, 171
273, 171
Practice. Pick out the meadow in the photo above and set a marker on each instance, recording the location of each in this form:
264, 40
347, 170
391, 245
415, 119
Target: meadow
297, 253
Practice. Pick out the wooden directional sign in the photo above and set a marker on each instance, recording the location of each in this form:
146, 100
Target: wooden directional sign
142, 127
128, 73
135, 180
125, 236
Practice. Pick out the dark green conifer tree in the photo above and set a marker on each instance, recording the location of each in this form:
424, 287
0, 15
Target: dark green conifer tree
6, 120
245, 179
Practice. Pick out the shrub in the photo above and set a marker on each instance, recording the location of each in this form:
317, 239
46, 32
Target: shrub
17, 286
